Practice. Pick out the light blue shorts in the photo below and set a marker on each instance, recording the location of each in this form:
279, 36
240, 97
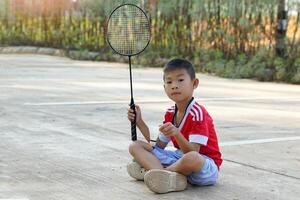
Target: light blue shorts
208, 175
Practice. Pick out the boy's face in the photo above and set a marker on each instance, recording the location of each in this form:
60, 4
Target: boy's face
179, 86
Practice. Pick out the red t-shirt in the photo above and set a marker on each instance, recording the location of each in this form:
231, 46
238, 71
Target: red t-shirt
197, 127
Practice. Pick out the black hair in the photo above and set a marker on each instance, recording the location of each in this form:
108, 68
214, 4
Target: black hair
180, 64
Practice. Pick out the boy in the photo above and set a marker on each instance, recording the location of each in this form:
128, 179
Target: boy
189, 126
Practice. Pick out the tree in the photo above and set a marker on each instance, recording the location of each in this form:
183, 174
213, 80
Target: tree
281, 28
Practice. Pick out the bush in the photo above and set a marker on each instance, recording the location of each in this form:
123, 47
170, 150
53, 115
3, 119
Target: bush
260, 72
280, 69
296, 77
241, 59
245, 71
230, 69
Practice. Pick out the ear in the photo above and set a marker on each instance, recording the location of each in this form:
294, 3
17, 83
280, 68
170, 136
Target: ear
195, 83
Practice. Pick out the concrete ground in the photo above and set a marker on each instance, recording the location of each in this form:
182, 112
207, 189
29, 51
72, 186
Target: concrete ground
64, 133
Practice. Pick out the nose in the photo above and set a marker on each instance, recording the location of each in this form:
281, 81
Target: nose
174, 86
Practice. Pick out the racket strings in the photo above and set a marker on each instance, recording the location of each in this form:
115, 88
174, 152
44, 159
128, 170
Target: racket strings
128, 30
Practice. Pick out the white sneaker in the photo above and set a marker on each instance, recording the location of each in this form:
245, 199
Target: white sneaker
163, 181
136, 171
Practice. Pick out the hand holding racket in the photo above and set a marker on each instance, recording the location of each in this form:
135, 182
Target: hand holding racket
135, 114
128, 34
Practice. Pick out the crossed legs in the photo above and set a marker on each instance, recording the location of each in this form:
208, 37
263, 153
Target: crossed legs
187, 164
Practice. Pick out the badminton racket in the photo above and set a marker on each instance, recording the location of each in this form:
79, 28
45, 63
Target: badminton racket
128, 34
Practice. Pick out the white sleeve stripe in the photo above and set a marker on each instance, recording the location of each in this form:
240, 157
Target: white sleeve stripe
199, 111
193, 114
201, 139
196, 114
163, 138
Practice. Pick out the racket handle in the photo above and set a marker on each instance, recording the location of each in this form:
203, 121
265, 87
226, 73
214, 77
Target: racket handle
133, 123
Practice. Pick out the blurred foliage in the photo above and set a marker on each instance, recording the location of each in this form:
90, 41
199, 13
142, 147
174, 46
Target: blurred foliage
230, 38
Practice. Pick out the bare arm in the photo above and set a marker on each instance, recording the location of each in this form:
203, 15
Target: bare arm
144, 130
185, 145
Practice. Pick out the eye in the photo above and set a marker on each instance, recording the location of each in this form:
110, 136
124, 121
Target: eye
169, 82
180, 80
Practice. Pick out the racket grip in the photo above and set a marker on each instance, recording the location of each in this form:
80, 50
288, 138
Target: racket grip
133, 123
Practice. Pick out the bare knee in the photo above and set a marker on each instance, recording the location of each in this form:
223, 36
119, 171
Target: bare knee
192, 161
134, 146
137, 145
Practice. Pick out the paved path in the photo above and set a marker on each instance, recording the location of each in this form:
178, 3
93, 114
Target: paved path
64, 133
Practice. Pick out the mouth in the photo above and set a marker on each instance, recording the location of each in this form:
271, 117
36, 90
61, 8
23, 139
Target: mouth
175, 93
